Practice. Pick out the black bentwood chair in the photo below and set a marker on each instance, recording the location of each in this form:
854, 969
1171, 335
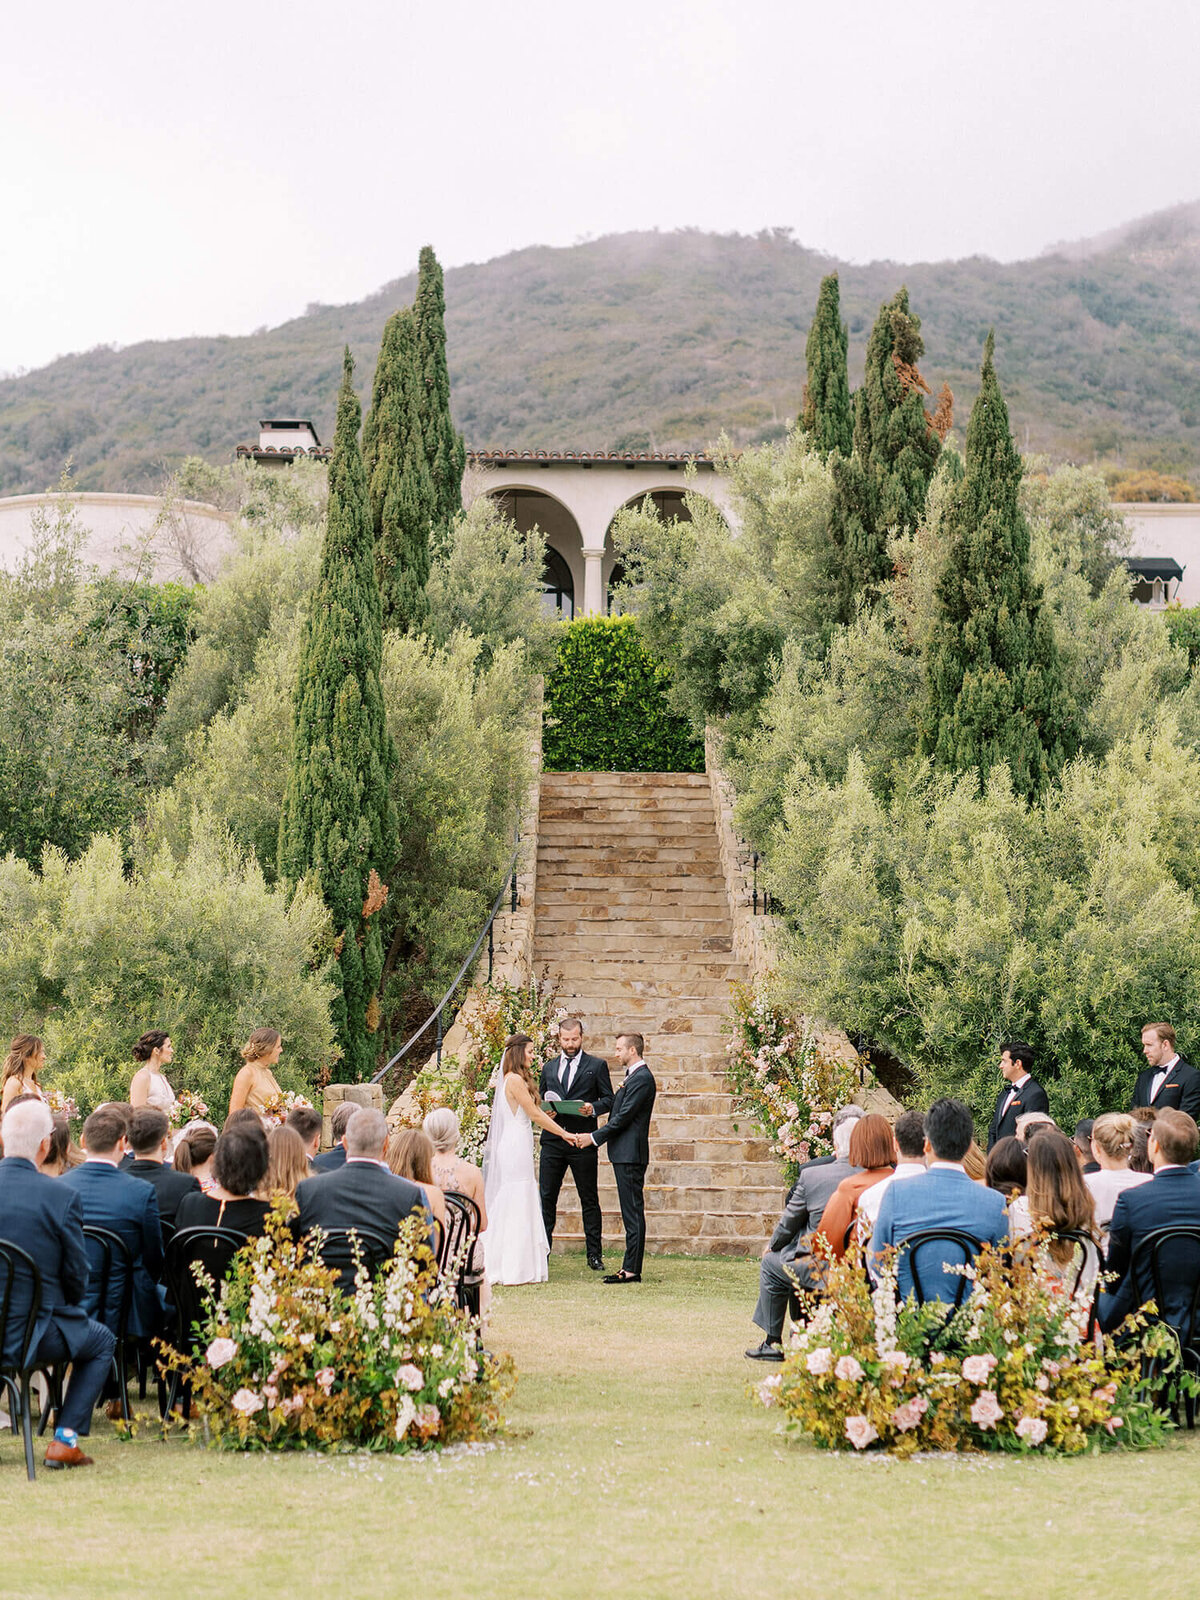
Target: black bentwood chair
1173, 1256
342, 1249
462, 1219
211, 1250
943, 1244
110, 1286
20, 1307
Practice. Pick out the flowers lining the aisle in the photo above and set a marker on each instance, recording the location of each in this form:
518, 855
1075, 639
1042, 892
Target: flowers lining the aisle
286, 1360
1011, 1370
782, 1076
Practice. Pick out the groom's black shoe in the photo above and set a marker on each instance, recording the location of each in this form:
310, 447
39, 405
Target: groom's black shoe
768, 1350
623, 1277
595, 1263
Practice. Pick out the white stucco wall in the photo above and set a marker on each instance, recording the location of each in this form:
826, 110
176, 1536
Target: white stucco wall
1158, 530
182, 539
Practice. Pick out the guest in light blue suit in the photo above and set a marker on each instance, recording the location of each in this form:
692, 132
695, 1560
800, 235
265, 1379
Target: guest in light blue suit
942, 1197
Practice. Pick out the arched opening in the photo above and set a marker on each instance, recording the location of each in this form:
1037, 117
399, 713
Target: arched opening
562, 585
671, 505
616, 576
558, 587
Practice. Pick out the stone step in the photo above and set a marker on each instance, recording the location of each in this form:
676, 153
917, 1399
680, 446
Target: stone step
654, 1010
562, 782
601, 877
662, 905
604, 827
579, 936
639, 964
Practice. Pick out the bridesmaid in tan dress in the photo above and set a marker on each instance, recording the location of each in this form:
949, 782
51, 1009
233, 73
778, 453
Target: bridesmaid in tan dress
255, 1083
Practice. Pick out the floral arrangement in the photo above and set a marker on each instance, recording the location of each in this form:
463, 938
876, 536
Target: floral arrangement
61, 1104
780, 1074
1013, 1369
189, 1107
287, 1360
467, 1083
276, 1107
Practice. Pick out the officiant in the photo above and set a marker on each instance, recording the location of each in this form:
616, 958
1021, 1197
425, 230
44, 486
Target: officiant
573, 1075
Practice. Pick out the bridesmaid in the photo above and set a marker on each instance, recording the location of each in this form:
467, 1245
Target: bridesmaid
149, 1086
26, 1058
255, 1083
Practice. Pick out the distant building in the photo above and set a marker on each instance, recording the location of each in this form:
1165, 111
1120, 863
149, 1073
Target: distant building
1165, 542
282, 440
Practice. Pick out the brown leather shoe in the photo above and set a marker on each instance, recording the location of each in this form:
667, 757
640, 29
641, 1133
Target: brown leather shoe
60, 1455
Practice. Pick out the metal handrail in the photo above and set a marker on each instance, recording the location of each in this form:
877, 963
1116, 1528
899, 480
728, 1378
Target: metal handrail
510, 882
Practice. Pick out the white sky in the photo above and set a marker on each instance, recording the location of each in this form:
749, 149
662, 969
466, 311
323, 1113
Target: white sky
170, 170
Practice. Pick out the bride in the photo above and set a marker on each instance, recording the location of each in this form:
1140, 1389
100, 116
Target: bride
515, 1247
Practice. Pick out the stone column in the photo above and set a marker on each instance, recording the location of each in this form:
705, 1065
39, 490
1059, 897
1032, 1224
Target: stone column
593, 582
362, 1094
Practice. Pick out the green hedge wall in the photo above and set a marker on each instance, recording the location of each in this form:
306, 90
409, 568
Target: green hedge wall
606, 706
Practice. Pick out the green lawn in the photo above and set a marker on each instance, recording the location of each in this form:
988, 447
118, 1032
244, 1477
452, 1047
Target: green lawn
635, 1465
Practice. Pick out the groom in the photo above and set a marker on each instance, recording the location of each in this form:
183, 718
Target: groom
574, 1075
627, 1134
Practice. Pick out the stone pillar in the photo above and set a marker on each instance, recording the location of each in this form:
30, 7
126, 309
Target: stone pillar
593, 582
362, 1094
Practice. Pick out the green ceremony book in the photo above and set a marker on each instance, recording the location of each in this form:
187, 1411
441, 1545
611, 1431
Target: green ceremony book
568, 1108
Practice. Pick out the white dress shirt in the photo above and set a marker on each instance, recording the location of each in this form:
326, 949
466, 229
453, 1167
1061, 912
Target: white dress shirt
870, 1199
567, 1070
1012, 1092
1161, 1076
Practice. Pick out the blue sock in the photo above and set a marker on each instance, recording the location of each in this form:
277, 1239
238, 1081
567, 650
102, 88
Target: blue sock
66, 1436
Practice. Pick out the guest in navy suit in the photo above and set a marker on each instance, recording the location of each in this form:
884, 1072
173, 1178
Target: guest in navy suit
307, 1122
44, 1217
150, 1139
942, 1197
1170, 1200
330, 1160
126, 1206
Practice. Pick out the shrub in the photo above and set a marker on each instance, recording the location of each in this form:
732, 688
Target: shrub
607, 708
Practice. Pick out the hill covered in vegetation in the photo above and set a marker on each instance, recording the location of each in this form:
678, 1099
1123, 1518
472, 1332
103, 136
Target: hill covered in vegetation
661, 340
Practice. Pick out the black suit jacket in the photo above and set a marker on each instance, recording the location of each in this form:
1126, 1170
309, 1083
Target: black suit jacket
591, 1083
45, 1219
1029, 1097
330, 1160
125, 1206
1171, 1200
627, 1131
1181, 1091
360, 1194
169, 1186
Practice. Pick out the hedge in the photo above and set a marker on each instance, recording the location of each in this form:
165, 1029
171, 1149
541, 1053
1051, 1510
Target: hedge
606, 705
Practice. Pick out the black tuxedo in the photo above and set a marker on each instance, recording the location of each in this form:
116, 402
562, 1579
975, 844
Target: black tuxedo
170, 1186
1180, 1090
591, 1083
1170, 1200
1029, 1097
359, 1194
627, 1136
330, 1160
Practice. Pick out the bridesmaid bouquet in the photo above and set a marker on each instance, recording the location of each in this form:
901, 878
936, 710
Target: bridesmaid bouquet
189, 1107
61, 1104
275, 1110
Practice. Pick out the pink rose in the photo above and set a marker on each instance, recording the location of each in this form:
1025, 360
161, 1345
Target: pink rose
987, 1410
1114, 1423
977, 1369
325, 1378
247, 1402
861, 1432
819, 1361
1032, 1428
910, 1413
219, 1352
428, 1419
848, 1369
895, 1358
410, 1377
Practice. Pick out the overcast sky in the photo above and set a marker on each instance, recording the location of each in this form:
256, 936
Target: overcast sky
212, 168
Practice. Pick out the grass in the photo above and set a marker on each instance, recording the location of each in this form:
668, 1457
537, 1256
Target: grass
634, 1465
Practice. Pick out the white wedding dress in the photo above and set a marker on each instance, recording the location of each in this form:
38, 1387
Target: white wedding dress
515, 1247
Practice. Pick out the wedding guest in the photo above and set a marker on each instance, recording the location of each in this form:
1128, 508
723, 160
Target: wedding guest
150, 1141
909, 1133
1057, 1197
193, 1152
26, 1058
1139, 1153
306, 1120
942, 1197
64, 1153
787, 1262
1006, 1168
1112, 1146
1020, 1095
149, 1086
1172, 1199
255, 1085
1167, 1081
246, 1116
1144, 1115
1083, 1146
975, 1164
410, 1155
451, 1172
127, 1207
333, 1158
289, 1163
873, 1150
44, 1217
361, 1193
240, 1164
1029, 1124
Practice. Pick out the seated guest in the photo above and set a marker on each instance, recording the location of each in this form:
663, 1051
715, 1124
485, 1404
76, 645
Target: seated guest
1112, 1145
1139, 1153
362, 1192
240, 1164
64, 1153
788, 1261
873, 1149
975, 1164
289, 1163
125, 1206
1028, 1125
410, 1155
193, 1152
150, 1138
1006, 1169
244, 1116
307, 1123
330, 1160
450, 1171
1057, 1197
942, 1197
44, 1217
1083, 1146
909, 1133
1171, 1200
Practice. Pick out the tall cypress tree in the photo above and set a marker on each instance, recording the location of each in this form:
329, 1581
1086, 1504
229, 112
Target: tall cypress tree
826, 416
444, 448
338, 821
403, 500
995, 686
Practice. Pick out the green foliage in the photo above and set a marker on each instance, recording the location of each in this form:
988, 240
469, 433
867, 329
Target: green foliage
487, 581
91, 956
444, 448
826, 416
337, 821
607, 708
1183, 628
403, 496
995, 688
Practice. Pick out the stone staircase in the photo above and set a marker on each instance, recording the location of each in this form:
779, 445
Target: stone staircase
632, 916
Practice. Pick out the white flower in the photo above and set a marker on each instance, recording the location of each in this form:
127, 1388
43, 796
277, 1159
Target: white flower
819, 1362
219, 1352
445, 1388
436, 1352
405, 1413
247, 1402
410, 1378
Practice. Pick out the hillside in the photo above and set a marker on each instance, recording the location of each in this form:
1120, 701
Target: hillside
661, 340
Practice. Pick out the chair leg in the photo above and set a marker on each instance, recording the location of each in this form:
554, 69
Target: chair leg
27, 1424
119, 1356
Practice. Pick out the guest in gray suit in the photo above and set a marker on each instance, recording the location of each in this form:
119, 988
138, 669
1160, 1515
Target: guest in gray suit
788, 1258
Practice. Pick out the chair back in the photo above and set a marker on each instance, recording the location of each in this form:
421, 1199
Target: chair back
110, 1278
942, 1247
462, 1230
1089, 1255
1173, 1255
342, 1249
211, 1249
20, 1305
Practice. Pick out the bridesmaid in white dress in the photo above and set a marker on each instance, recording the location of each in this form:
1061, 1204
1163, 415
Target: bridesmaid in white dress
149, 1086
515, 1246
